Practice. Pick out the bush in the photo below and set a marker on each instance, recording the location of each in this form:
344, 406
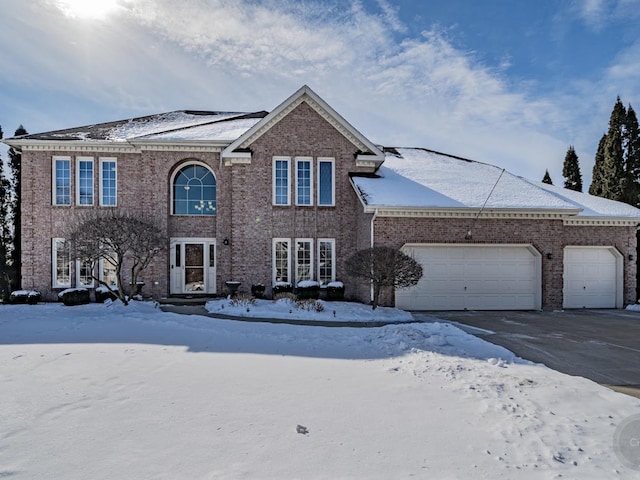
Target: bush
24, 296
103, 293
257, 290
282, 287
335, 291
288, 296
75, 296
242, 300
310, 305
308, 290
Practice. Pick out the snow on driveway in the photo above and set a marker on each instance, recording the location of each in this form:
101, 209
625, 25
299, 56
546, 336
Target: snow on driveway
95, 392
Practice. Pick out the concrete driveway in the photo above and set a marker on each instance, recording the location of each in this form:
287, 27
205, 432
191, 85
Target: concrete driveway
602, 345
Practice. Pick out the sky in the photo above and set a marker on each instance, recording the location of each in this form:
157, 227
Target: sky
511, 83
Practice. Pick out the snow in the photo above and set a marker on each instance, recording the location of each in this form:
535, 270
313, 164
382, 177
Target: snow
219, 131
132, 392
426, 179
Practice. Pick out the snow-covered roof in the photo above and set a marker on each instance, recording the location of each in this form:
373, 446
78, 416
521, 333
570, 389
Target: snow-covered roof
424, 179
170, 126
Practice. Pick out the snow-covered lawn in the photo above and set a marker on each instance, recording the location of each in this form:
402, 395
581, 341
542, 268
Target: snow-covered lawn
95, 392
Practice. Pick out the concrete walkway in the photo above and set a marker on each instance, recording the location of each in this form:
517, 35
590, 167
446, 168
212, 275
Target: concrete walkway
200, 310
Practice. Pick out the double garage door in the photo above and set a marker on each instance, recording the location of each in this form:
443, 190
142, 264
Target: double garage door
507, 277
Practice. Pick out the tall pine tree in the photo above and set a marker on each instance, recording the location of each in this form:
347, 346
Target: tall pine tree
631, 152
609, 169
547, 178
15, 164
571, 171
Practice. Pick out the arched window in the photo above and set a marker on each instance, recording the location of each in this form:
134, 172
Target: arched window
194, 191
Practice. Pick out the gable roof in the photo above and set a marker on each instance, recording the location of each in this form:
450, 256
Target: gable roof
368, 150
424, 180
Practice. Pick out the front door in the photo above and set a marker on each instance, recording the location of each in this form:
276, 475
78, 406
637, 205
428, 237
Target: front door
193, 263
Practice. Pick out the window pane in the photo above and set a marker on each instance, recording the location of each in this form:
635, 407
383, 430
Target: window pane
303, 176
194, 191
325, 262
85, 182
63, 182
85, 274
325, 183
109, 183
281, 261
108, 271
281, 182
303, 261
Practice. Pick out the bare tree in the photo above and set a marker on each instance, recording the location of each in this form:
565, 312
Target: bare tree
122, 240
384, 267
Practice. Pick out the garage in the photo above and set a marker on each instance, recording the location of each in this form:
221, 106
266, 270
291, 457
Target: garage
474, 277
592, 277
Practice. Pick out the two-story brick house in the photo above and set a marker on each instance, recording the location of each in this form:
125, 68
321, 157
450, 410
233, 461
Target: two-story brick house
287, 196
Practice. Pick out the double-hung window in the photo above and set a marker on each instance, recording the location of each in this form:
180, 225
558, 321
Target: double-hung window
61, 181
304, 181
107, 269
84, 180
326, 182
108, 182
61, 263
326, 260
281, 194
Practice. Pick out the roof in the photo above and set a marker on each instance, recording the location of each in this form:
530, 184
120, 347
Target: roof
177, 125
415, 178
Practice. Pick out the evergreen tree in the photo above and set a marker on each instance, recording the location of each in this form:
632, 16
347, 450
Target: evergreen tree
611, 181
547, 178
631, 150
571, 171
598, 175
15, 164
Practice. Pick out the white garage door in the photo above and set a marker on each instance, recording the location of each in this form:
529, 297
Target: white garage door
474, 277
592, 277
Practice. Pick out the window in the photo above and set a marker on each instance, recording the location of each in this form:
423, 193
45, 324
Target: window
108, 182
326, 260
304, 260
84, 177
281, 181
281, 260
107, 270
84, 273
326, 184
61, 263
304, 180
61, 180
194, 191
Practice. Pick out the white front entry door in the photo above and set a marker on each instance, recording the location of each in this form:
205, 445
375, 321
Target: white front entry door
193, 265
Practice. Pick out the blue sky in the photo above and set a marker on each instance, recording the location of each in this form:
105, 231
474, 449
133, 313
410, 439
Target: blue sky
512, 83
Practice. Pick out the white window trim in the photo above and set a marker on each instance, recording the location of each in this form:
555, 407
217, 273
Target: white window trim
273, 258
172, 180
332, 241
273, 176
78, 279
103, 160
308, 160
311, 258
55, 159
54, 265
101, 265
333, 181
93, 187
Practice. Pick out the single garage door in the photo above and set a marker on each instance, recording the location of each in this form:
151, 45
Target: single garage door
592, 277
474, 277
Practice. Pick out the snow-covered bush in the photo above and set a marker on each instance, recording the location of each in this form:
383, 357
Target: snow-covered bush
308, 289
257, 290
335, 291
281, 287
285, 297
310, 305
103, 293
24, 296
75, 296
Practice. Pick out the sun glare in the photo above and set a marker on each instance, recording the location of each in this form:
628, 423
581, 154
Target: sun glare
88, 9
